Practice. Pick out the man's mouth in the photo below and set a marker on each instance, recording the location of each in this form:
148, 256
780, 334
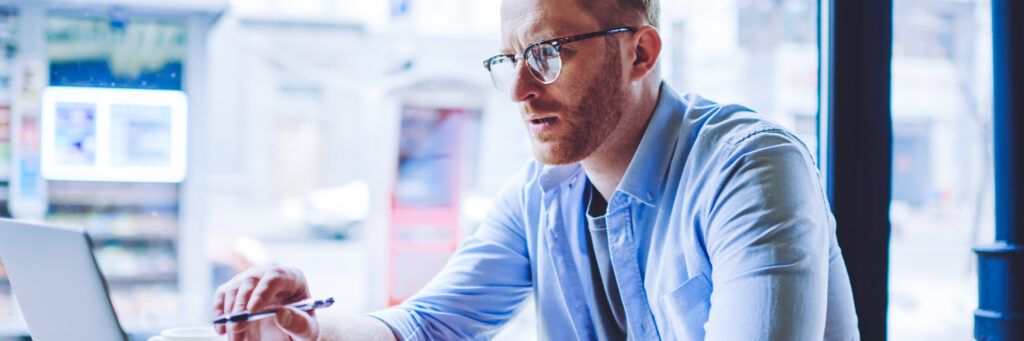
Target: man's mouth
543, 125
544, 120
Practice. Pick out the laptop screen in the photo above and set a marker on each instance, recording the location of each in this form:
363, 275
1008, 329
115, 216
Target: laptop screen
57, 283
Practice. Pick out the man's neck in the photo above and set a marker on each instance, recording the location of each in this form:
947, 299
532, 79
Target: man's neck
608, 164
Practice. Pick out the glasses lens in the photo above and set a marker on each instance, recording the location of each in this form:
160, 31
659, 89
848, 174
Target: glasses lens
545, 62
502, 68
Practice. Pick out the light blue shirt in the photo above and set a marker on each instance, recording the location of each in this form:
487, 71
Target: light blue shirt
719, 230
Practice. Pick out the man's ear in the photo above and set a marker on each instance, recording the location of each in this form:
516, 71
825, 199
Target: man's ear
646, 48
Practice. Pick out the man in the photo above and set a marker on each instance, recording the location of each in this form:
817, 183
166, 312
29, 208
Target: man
647, 215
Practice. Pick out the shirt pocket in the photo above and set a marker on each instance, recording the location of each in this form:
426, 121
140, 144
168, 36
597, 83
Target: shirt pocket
686, 308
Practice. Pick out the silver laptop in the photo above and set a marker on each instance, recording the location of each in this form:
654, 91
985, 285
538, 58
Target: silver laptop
57, 283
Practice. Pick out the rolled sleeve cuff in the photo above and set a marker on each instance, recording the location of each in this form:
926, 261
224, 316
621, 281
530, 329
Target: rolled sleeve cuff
404, 323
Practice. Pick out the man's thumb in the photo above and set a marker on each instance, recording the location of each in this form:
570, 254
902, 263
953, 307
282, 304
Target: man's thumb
296, 323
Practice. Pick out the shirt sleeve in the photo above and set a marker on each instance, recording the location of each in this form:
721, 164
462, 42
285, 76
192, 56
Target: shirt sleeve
480, 288
767, 240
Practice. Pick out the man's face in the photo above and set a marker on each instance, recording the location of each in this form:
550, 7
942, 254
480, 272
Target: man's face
569, 119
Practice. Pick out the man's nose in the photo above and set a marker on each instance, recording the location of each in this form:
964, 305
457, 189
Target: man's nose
524, 86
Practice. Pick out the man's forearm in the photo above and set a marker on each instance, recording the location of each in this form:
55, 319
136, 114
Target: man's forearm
354, 327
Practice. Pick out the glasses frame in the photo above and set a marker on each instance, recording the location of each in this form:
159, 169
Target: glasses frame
556, 43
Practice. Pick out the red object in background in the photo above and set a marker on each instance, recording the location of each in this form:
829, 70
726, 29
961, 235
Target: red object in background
424, 229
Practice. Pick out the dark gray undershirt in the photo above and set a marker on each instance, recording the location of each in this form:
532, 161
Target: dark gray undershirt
606, 291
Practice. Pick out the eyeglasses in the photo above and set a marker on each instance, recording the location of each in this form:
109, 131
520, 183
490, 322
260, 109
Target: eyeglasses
543, 58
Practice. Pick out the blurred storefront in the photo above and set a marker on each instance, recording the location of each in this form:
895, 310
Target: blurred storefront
87, 140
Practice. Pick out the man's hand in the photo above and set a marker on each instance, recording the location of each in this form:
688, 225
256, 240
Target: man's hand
261, 288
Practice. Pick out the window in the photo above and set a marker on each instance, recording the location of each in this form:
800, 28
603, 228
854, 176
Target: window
761, 54
330, 129
942, 194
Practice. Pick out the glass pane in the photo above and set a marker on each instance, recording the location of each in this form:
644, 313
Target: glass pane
761, 54
942, 199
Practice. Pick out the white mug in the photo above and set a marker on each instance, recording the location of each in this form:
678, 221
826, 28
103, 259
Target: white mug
188, 334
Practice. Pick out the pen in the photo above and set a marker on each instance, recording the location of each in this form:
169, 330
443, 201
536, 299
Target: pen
304, 305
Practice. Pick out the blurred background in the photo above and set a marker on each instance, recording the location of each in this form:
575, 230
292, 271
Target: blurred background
362, 140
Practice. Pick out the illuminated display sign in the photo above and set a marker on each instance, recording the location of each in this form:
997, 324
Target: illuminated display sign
117, 135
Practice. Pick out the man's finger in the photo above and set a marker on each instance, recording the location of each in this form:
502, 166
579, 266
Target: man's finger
218, 310
297, 324
242, 296
229, 301
242, 331
264, 291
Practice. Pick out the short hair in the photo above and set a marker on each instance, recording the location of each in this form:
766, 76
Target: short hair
624, 12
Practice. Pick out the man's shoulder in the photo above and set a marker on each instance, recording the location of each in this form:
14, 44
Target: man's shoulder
713, 125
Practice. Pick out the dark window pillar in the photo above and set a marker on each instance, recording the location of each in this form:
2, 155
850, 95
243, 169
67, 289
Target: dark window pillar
860, 148
1000, 314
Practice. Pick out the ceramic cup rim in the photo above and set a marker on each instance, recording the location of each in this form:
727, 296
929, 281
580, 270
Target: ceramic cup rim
187, 332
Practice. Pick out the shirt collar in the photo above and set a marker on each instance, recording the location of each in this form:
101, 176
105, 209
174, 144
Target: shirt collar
645, 177
553, 175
